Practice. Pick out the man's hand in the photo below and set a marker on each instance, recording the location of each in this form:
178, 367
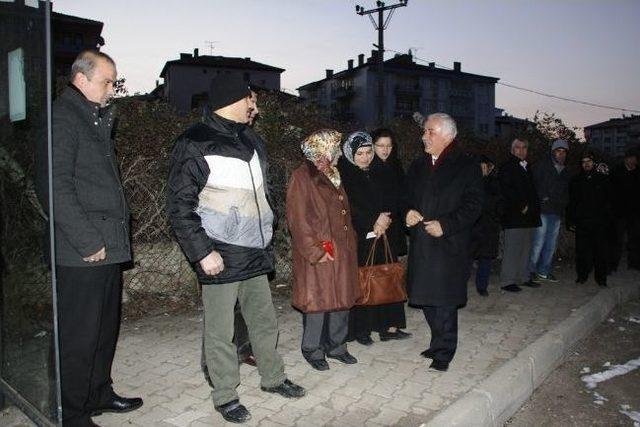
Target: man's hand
325, 258
413, 217
212, 264
525, 210
433, 228
98, 256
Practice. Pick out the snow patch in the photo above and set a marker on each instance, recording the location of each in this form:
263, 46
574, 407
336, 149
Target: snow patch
634, 319
610, 320
613, 371
622, 328
607, 364
634, 415
585, 370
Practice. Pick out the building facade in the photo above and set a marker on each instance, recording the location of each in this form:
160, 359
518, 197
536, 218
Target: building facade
614, 136
351, 94
187, 80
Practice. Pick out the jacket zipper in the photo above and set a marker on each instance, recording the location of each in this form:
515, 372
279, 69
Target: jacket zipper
255, 197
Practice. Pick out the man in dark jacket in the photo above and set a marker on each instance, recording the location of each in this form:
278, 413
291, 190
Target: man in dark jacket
219, 211
91, 220
485, 236
445, 199
589, 215
521, 215
625, 180
551, 178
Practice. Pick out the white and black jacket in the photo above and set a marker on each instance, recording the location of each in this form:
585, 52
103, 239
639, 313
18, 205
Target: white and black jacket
217, 199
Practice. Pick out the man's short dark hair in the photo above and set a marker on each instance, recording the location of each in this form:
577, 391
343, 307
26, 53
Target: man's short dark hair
86, 61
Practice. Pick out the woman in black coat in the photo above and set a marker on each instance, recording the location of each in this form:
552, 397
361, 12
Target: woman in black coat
373, 213
387, 167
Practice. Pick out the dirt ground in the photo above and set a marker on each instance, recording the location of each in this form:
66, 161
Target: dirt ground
565, 400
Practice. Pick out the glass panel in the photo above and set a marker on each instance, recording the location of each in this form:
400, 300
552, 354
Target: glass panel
27, 355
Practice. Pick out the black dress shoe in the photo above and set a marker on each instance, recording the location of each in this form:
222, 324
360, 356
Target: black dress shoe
365, 340
531, 284
402, 335
427, 354
118, 404
318, 364
234, 412
511, 288
439, 365
286, 389
397, 335
483, 292
345, 357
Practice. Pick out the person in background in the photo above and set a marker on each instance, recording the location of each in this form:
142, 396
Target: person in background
520, 217
485, 236
589, 216
551, 179
375, 212
323, 243
625, 184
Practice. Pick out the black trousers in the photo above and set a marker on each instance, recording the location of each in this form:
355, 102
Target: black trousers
625, 229
443, 322
89, 321
592, 253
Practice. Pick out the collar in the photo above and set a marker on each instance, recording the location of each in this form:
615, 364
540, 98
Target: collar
437, 160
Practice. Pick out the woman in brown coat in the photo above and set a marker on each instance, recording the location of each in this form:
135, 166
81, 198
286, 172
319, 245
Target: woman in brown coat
324, 247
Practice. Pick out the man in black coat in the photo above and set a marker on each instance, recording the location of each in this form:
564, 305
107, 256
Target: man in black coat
91, 220
218, 207
445, 199
625, 180
589, 215
521, 216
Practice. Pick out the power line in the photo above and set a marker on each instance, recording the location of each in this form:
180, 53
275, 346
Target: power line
548, 95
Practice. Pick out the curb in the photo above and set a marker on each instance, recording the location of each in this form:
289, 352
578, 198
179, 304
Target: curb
499, 396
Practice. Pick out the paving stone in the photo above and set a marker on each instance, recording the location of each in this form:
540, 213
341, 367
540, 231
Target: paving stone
186, 418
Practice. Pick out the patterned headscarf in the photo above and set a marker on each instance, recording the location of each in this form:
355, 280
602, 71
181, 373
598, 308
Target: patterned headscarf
355, 141
321, 148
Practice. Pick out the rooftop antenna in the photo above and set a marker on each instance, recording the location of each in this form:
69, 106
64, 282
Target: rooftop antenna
210, 44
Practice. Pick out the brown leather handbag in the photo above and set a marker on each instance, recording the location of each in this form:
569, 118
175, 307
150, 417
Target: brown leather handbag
382, 283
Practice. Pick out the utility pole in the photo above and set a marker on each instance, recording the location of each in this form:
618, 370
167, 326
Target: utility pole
381, 25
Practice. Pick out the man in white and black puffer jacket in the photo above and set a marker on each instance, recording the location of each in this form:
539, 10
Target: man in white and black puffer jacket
218, 208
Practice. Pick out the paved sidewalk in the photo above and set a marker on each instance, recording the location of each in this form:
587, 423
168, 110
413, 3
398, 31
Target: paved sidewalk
159, 359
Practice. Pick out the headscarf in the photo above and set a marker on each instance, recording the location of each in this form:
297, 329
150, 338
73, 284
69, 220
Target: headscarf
321, 148
355, 141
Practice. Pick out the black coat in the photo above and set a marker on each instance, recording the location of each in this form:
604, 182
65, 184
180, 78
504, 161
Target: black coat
518, 191
90, 207
369, 196
485, 237
452, 194
625, 185
589, 201
391, 177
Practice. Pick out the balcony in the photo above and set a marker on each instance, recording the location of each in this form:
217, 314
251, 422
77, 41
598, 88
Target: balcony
412, 90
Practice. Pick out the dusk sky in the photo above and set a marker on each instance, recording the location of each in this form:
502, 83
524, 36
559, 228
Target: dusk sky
580, 49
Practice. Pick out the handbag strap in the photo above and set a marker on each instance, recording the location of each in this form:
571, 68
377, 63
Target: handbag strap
372, 251
388, 255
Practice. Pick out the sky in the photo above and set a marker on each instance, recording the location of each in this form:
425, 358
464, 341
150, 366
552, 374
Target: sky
581, 49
